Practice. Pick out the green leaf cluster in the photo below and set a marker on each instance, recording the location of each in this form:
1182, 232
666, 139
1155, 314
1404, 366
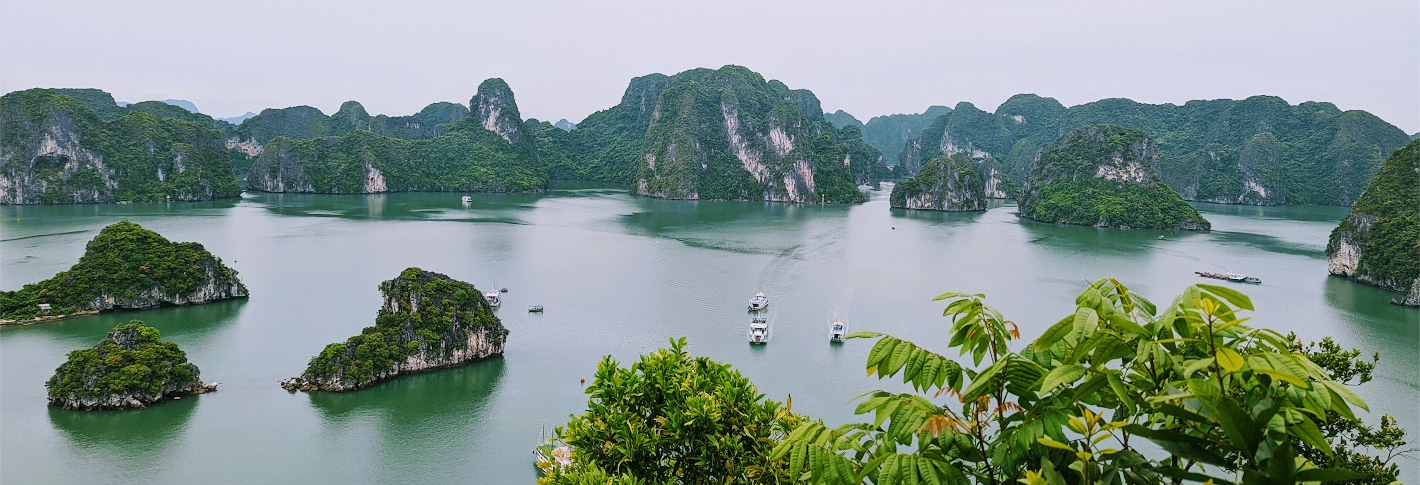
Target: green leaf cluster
124, 262
1227, 402
674, 418
131, 360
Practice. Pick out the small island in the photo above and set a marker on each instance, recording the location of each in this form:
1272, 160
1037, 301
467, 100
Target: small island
428, 321
125, 267
1103, 176
130, 369
1378, 243
943, 184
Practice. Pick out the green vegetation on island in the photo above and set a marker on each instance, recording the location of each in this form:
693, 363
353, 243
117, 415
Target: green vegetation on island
1101, 175
1259, 150
125, 267
1379, 241
485, 151
673, 418
57, 150
944, 184
427, 321
1119, 390
130, 368
721, 134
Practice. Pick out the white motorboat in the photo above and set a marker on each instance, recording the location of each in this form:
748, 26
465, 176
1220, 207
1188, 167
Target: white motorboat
494, 298
759, 302
467, 199
759, 330
837, 331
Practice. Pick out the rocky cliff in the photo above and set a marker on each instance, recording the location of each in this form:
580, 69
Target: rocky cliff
130, 368
56, 150
484, 151
945, 184
726, 134
125, 267
1102, 175
1259, 150
890, 133
427, 321
1378, 243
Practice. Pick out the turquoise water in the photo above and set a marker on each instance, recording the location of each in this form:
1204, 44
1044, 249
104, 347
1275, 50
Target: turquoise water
619, 275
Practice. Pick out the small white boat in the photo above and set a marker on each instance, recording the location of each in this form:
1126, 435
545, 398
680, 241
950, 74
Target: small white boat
837, 330
759, 330
535, 309
759, 302
494, 298
467, 199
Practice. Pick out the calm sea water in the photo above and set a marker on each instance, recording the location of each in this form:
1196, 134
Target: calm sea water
619, 275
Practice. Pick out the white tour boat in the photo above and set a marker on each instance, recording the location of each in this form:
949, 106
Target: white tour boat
759, 302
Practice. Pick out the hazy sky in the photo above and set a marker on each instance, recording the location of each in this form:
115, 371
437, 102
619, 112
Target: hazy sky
568, 59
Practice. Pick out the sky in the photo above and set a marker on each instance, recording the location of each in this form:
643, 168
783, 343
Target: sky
567, 59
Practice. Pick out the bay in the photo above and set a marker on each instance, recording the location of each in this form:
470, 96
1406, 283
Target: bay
619, 275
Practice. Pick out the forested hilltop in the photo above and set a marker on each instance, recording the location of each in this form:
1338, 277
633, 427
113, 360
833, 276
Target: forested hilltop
1259, 150
1102, 175
723, 134
57, 149
485, 151
889, 133
1379, 241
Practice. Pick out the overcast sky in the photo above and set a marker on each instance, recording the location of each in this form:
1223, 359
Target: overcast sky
570, 58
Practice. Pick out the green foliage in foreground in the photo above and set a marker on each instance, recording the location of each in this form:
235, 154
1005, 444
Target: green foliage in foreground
448, 311
674, 418
131, 360
1229, 403
124, 261
1389, 212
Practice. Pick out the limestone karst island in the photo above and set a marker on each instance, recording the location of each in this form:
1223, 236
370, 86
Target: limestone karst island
614, 243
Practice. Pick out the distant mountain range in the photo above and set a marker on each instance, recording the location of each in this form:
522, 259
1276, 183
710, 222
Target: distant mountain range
723, 133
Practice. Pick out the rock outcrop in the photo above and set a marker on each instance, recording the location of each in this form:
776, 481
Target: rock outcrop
427, 321
125, 267
131, 368
1378, 243
944, 184
1102, 175
496, 110
56, 150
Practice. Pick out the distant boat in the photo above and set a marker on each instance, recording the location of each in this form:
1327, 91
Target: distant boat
759, 330
535, 309
759, 302
494, 298
1233, 277
467, 199
837, 330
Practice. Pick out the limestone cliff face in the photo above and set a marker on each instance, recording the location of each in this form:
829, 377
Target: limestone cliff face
996, 184
497, 111
1378, 243
1101, 175
944, 184
102, 378
728, 134
427, 321
58, 151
